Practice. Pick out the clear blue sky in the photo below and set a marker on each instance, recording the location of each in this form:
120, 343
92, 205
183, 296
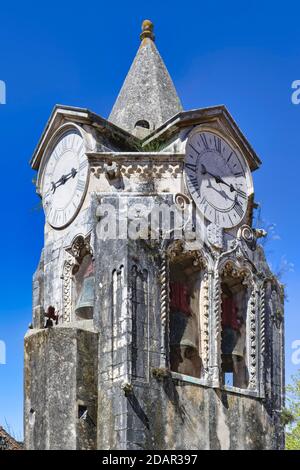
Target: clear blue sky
242, 54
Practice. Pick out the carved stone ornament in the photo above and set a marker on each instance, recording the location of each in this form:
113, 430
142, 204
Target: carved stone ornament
112, 170
242, 272
215, 235
181, 201
79, 248
250, 236
247, 235
142, 169
177, 253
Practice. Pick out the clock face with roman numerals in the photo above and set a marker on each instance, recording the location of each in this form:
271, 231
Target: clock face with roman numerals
65, 179
218, 178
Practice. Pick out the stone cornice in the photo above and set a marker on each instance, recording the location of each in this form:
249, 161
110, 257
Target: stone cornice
62, 114
208, 115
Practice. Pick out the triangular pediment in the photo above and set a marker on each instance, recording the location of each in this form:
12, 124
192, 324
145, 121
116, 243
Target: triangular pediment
81, 116
215, 116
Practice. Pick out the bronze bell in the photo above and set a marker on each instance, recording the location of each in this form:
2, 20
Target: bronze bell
85, 303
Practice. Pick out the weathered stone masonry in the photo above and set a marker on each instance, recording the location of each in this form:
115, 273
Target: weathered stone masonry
118, 378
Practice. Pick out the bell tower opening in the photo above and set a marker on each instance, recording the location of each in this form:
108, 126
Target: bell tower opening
84, 289
234, 332
185, 284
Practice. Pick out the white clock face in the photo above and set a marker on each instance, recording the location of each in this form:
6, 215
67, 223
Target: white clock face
217, 178
65, 179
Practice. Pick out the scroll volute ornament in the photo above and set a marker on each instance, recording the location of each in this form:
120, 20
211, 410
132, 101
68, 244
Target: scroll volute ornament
78, 250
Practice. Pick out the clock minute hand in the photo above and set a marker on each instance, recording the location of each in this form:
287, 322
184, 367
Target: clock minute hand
63, 179
217, 178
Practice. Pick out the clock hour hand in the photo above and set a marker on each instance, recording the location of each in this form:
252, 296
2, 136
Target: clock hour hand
51, 189
217, 178
221, 192
63, 179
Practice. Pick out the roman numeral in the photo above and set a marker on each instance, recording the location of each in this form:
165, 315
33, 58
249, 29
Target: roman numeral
239, 173
83, 165
238, 208
194, 180
55, 155
55, 217
241, 193
68, 139
72, 141
204, 141
198, 153
81, 185
231, 153
217, 141
48, 210
204, 204
191, 167
80, 148
195, 189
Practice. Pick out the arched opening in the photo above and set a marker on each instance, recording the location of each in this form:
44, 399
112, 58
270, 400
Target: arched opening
84, 286
185, 285
142, 123
235, 299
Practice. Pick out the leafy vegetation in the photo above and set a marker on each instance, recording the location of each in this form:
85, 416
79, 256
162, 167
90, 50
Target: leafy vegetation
291, 415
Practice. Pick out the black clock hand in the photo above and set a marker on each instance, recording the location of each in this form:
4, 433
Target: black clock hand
217, 178
63, 179
52, 188
222, 193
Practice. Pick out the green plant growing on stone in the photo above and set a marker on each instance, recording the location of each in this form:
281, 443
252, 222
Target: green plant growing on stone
153, 146
127, 388
160, 373
291, 415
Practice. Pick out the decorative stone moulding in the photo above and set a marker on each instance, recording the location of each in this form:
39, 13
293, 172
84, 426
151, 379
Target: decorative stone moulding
143, 170
177, 252
112, 170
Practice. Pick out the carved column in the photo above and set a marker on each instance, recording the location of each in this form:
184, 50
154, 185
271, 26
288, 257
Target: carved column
215, 314
164, 312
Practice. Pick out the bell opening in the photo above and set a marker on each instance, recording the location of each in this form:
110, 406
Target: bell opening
233, 339
84, 289
184, 318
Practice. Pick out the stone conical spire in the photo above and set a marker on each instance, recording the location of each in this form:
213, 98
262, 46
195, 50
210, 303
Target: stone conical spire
148, 97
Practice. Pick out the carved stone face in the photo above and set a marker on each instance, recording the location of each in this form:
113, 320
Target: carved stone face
64, 179
218, 178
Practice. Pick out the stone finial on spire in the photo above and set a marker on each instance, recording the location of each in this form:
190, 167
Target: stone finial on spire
147, 30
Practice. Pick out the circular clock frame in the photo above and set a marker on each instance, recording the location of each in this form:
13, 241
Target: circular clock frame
217, 176
68, 176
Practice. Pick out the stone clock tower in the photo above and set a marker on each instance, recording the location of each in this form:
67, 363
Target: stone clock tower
157, 323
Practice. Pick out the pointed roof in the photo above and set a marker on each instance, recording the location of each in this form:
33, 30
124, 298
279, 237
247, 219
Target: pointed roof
148, 97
